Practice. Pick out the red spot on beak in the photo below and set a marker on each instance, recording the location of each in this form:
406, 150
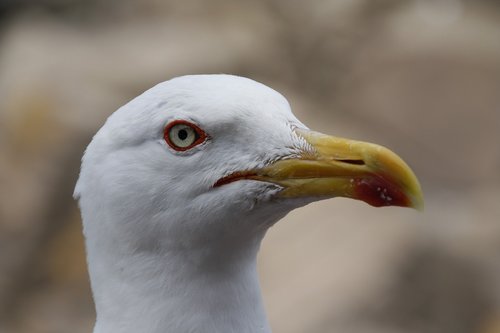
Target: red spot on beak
378, 191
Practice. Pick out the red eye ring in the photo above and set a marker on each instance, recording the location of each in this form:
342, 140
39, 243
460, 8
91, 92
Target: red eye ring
181, 135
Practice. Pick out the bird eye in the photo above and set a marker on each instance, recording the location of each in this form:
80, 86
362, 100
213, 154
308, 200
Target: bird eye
182, 135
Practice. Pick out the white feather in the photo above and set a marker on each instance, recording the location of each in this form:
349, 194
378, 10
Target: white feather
166, 251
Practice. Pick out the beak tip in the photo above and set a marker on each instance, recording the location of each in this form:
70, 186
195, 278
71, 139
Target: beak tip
418, 202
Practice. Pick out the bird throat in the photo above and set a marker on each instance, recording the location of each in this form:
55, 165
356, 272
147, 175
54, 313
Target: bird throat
200, 290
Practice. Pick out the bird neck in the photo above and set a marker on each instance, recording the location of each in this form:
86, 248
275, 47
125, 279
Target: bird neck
204, 289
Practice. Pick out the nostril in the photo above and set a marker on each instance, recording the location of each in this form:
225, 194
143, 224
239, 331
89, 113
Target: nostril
355, 162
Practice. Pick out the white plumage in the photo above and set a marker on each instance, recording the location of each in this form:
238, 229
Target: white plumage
172, 235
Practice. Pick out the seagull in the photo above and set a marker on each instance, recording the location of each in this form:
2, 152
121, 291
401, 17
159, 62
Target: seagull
179, 186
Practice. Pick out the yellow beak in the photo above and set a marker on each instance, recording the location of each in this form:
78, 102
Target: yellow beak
346, 168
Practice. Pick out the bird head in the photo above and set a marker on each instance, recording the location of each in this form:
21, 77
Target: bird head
202, 156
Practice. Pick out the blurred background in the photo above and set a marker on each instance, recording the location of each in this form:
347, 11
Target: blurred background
421, 77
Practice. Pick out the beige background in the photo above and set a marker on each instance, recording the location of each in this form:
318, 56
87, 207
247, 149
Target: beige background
421, 77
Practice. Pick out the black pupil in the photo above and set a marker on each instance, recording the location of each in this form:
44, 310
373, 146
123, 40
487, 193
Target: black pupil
182, 134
